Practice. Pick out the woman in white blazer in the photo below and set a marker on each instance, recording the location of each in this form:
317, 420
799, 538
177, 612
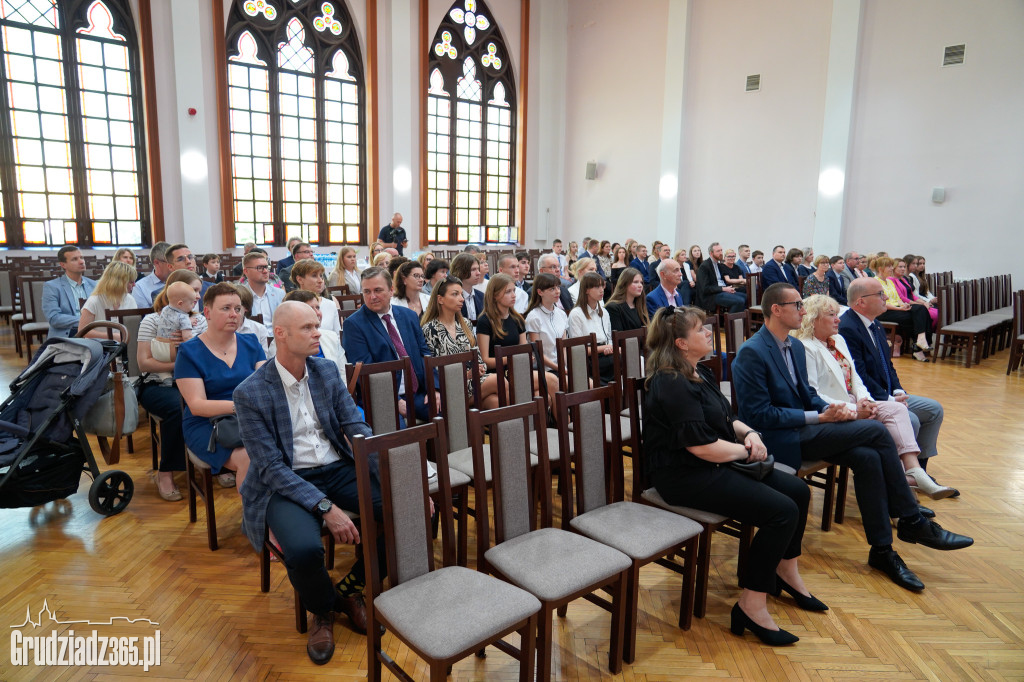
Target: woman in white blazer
830, 370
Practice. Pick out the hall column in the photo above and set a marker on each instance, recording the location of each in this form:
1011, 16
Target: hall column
670, 227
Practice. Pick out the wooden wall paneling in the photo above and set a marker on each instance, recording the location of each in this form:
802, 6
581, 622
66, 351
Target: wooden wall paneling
156, 189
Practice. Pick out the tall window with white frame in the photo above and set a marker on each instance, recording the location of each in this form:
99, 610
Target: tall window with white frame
471, 129
72, 152
297, 122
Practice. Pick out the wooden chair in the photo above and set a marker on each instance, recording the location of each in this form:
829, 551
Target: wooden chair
755, 314
131, 319
200, 484
378, 386
614, 522
954, 330
517, 384
7, 303
339, 290
33, 325
1017, 342
441, 613
554, 565
349, 301
736, 326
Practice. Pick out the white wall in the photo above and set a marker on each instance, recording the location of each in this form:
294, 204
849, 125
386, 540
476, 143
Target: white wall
919, 126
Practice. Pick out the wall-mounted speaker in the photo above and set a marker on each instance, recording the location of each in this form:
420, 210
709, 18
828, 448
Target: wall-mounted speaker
938, 195
591, 170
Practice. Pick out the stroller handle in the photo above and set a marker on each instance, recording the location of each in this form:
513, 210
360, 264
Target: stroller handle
109, 326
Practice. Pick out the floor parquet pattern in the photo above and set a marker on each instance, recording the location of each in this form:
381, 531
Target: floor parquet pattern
149, 562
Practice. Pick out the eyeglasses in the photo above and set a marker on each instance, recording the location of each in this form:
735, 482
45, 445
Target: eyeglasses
259, 268
417, 275
799, 305
184, 259
879, 294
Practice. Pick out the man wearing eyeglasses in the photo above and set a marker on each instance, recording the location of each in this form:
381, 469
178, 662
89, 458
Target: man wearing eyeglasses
265, 299
770, 374
179, 257
154, 281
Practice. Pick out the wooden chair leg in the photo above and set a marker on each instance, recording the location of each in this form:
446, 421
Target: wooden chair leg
544, 643
211, 516
632, 594
190, 472
841, 490
301, 623
615, 645
700, 603
689, 588
829, 501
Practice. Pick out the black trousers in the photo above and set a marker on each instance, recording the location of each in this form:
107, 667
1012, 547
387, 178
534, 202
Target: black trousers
912, 322
298, 534
878, 478
777, 506
165, 402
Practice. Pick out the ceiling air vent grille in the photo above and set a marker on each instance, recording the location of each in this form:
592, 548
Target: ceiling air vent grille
754, 83
953, 55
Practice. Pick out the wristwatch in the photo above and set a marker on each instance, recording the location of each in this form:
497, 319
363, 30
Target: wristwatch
324, 506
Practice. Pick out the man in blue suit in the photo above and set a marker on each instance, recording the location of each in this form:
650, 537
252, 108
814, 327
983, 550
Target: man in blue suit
836, 282
294, 415
770, 374
640, 262
380, 332
60, 296
777, 270
668, 294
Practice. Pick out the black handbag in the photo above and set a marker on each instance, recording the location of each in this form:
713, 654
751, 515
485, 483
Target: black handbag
755, 470
225, 433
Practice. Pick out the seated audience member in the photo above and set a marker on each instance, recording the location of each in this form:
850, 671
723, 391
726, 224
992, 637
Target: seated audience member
549, 263
732, 273
770, 375
149, 286
662, 252
381, 260
176, 316
207, 370
471, 248
501, 325
466, 268
866, 341
571, 257
179, 257
905, 290
265, 298
743, 256
563, 262
669, 293
852, 270
409, 288
210, 270
589, 317
912, 319
866, 263
803, 268
330, 341
395, 263
376, 249
296, 419
250, 326
712, 289
380, 332
392, 251
836, 282
627, 308
345, 270
777, 270
590, 250
604, 258
425, 258
162, 348
795, 259
524, 271
689, 433
922, 281
447, 332
816, 283
61, 296
288, 260
272, 280
308, 275
127, 257
508, 265
545, 321
696, 257
112, 292
433, 272
688, 287
237, 270
620, 262
831, 372
640, 263
756, 262
579, 269
300, 252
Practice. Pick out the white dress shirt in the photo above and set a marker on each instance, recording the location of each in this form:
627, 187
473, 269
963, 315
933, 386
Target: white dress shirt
599, 325
310, 447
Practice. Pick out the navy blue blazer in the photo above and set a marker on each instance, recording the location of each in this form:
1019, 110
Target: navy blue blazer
658, 299
478, 298
866, 359
836, 286
652, 273
642, 266
365, 340
768, 400
771, 274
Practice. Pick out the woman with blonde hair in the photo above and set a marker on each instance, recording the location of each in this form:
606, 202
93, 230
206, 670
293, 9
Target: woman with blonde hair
578, 269
124, 255
911, 318
425, 258
112, 292
346, 271
689, 275
381, 260
309, 276
832, 373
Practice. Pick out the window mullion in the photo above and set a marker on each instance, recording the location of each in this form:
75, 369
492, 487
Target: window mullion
320, 124
12, 211
276, 179
76, 140
453, 121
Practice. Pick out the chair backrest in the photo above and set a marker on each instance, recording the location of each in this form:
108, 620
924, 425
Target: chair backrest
32, 309
6, 292
944, 299
578, 357
378, 390
451, 373
633, 398
349, 301
629, 353
514, 365
401, 460
735, 333
131, 318
754, 289
36, 294
339, 290
595, 467
514, 479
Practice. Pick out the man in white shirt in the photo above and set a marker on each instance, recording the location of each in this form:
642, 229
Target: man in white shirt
509, 265
563, 262
265, 298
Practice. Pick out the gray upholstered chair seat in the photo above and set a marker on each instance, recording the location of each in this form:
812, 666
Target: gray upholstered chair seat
456, 477
462, 461
444, 612
971, 326
637, 530
553, 564
35, 327
552, 435
654, 497
625, 428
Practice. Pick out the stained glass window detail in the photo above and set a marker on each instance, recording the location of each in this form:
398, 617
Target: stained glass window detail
297, 125
471, 125
76, 171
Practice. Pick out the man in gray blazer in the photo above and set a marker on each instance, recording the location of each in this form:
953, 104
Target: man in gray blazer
852, 270
60, 296
294, 415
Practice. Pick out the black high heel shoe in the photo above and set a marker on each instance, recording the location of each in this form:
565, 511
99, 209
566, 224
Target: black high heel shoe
807, 603
741, 621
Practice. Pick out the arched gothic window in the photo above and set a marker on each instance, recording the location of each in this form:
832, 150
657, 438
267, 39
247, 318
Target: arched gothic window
471, 123
72, 153
297, 122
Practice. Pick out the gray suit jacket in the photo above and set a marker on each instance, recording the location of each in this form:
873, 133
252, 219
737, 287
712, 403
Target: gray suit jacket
60, 306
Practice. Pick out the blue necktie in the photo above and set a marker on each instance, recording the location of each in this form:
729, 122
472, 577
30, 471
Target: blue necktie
879, 341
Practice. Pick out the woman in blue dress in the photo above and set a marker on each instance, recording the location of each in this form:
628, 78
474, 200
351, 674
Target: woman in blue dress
208, 369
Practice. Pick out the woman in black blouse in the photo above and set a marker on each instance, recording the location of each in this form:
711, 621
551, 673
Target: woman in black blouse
628, 305
690, 437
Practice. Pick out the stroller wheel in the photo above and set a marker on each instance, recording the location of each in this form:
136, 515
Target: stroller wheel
111, 492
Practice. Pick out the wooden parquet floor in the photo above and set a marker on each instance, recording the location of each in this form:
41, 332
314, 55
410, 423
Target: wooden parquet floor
150, 562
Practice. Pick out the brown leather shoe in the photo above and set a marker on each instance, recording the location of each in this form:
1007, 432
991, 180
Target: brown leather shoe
353, 606
320, 646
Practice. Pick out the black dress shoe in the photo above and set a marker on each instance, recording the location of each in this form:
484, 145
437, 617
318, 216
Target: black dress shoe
741, 621
926, 512
320, 645
890, 563
807, 603
931, 534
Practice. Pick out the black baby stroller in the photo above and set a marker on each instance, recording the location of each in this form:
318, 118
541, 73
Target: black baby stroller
43, 447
